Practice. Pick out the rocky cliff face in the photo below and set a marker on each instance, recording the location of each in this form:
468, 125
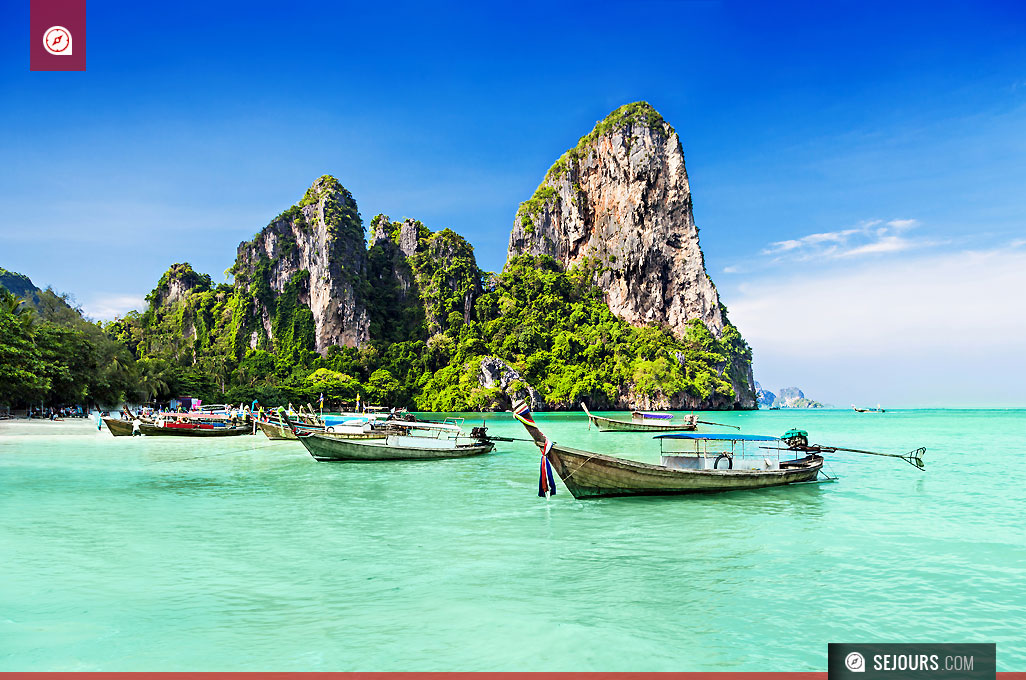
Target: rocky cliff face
764, 397
420, 275
619, 202
493, 372
792, 397
621, 198
788, 397
323, 236
176, 284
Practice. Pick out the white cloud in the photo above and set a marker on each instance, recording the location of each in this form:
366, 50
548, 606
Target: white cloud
107, 306
884, 244
954, 322
810, 240
870, 237
732, 269
901, 225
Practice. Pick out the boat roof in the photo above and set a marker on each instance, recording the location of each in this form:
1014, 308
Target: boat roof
720, 437
425, 425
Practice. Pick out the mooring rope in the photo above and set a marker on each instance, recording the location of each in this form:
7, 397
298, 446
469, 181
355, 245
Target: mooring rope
587, 460
213, 455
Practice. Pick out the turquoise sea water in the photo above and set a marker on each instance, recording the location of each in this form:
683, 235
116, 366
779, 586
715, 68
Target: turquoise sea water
245, 554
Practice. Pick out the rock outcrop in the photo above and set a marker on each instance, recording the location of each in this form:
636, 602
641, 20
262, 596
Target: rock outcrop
419, 279
323, 236
788, 397
620, 203
496, 373
176, 284
792, 397
392, 245
764, 398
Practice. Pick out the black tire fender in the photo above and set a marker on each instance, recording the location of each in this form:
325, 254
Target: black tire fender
730, 462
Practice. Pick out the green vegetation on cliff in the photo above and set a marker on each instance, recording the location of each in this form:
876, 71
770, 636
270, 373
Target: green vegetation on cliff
432, 316
551, 325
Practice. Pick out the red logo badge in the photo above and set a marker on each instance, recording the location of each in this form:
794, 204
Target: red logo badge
58, 40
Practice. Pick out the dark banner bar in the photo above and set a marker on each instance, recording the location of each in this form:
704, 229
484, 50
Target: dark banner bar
956, 661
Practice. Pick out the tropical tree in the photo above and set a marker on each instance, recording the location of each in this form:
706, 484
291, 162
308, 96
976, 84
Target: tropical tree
151, 383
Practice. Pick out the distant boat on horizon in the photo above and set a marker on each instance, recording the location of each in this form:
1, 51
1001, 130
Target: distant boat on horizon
868, 410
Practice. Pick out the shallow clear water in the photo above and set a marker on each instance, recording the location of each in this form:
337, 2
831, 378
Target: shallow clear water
245, 554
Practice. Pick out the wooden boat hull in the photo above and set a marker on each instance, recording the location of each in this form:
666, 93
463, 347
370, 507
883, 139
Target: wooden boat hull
336, 448
639, 424
612, 425
277, 431
593, 475
123, 428
118, 427
151, 430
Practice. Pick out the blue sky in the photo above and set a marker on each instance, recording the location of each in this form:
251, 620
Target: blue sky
861, 165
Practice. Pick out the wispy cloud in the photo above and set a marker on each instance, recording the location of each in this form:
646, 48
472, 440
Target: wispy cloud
884, 244
108, 306
901, 225
870, 237
732, 269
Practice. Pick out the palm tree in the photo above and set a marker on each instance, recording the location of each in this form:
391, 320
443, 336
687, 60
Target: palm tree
220, 365
9, 302
151, 381
117, 364
17, 307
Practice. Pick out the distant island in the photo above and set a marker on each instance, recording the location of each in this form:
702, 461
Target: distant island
604, 298
787, 397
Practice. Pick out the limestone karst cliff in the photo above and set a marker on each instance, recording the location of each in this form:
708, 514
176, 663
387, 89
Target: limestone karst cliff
619, 203
176, 284
315, 252
419, 279
604, 299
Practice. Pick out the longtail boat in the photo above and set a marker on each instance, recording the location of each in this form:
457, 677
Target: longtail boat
712, 463
178, 425
443, 440
689, 463
642, 421
868, 410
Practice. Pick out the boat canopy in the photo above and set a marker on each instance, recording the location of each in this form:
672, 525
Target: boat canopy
720, 437
423, 425
659, 416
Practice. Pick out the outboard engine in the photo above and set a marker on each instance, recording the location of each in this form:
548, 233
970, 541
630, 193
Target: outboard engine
479, 432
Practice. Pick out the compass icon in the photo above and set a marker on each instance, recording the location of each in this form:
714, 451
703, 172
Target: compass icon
57, 40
